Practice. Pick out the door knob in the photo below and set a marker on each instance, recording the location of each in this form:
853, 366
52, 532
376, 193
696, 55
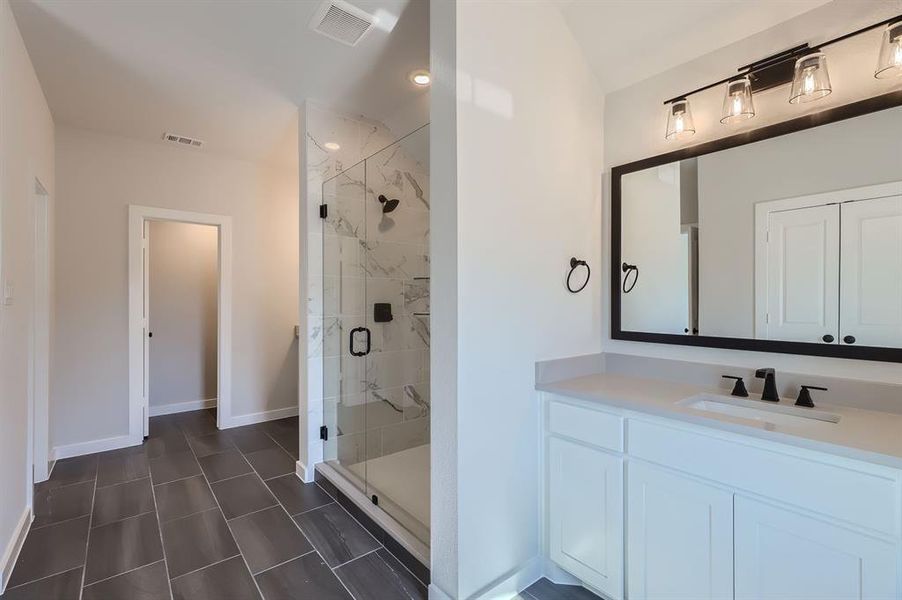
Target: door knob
849, 339
150, 334
828, 338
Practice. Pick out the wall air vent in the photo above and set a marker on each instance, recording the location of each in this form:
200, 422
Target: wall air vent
182, 140
342, 22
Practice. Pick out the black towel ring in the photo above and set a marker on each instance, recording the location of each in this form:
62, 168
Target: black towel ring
574, 262
627, 269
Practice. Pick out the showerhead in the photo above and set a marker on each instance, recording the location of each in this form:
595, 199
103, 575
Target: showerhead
388, 205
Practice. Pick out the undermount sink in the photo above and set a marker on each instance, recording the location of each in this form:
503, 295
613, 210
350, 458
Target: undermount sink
758, 410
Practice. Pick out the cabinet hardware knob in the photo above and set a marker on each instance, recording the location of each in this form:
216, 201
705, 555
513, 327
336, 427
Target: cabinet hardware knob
849, 339
828, 338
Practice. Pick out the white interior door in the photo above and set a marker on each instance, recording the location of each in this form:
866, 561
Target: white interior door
146, 328
871, 280
40, 359
803, 275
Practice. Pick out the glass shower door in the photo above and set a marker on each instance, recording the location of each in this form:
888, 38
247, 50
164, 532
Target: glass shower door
375, 329
343, 317
395, 258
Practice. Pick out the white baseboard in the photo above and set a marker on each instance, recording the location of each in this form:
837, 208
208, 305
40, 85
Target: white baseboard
261, 417
13, 547
510, 585
92, 446
180, 407
303, 473
436, 593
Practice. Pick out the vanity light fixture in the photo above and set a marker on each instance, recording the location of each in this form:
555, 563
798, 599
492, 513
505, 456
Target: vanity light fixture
737, 103
421, 78
679, 120
889, 62
331, 146
803, 65
810, 79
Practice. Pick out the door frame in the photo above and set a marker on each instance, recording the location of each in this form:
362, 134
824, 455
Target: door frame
763, 209
138, 411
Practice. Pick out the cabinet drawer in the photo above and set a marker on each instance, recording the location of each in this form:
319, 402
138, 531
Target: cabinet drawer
595, 427
867, 498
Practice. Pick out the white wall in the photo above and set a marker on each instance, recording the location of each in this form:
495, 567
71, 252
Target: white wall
99, 176
528, 158
634, 129
848, 154
26, 153
653, 241
183, 290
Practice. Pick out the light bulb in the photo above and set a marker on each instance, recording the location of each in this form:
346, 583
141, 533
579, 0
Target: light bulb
810, 80
889, 62
737, 101
679, 120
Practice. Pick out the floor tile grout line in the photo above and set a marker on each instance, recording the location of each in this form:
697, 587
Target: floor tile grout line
69, 520
347, 562
259, 510
156, 512
197, 512
84, 567
125, 572
29, 582
146, 512
285, 562
66, 485
304, 512
109, 485
212, 564
222, 513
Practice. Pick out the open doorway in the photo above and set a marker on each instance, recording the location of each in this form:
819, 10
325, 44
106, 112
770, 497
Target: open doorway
179, 314
182, 273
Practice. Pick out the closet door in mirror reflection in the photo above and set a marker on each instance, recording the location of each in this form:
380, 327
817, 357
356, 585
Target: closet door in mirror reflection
803, 274
871, 278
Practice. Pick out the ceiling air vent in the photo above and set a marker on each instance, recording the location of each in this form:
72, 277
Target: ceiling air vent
342, 22
182, 140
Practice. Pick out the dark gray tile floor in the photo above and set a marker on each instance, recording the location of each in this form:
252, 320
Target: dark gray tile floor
196, 513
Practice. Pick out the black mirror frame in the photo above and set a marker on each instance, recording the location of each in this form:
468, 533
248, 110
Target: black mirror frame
847, 111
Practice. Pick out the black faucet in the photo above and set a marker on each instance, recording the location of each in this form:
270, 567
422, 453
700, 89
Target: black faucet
770, 384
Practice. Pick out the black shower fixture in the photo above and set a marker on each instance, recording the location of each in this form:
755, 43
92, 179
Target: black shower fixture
388, 205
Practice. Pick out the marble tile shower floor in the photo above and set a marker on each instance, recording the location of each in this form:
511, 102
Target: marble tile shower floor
198, 513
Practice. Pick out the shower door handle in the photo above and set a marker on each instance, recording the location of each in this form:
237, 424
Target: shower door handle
351, 341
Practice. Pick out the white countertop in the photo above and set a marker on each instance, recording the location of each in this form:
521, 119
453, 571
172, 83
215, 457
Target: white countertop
871, 436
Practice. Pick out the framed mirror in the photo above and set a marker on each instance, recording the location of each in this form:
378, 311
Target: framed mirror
783, 239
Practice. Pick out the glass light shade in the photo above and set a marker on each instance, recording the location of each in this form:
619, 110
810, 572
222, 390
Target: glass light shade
679, 120
737, 103
889, 63
810, 80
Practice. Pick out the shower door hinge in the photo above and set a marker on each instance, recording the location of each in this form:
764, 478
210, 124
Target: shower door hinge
324, 433
323, 211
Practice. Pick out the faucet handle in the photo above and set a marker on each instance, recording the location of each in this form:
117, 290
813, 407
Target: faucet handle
739, 387
804, 398
762, 373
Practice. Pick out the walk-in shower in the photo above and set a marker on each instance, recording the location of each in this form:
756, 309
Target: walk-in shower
376, 329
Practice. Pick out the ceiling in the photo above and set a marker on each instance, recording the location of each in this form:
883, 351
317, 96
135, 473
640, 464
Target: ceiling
231, 73
626, 41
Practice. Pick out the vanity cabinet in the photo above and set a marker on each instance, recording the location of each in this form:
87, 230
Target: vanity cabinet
641, 507
679, 536
781, 553
585, 497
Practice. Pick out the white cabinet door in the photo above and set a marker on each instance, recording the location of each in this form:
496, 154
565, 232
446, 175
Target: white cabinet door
871, 288
586, 514
782, 555
679, 537
803, 274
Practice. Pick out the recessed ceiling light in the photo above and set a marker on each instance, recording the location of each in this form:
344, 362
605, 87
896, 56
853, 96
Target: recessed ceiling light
421, 78
331, 146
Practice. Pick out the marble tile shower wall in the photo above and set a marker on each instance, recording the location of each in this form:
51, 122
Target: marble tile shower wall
380, 403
